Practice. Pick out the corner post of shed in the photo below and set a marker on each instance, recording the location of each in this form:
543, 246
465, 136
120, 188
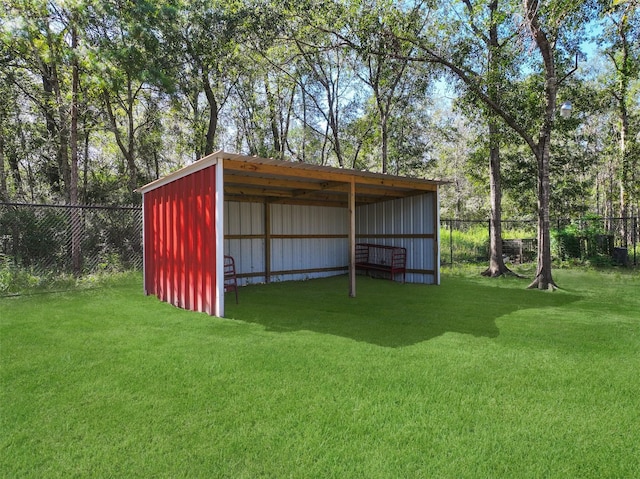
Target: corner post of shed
352, 237
219, 237
436, 237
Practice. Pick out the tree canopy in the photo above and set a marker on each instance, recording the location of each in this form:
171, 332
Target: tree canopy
98, 98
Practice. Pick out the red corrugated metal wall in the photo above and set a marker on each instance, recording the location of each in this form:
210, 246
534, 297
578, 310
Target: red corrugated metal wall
180, 241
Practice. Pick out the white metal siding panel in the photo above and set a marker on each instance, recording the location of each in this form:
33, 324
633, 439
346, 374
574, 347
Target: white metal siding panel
242, 218
297, 220
291, 254
413, 215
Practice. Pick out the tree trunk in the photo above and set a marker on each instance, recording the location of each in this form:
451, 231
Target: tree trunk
4, 196
496, 262
127, 150
197, 140
213, 113
624, 72
384, 130
543, 278
273, 117
85, 164
284, 140
303, 147
63, 133
57, 127
14, 168
76, 220
334, 125
130, 154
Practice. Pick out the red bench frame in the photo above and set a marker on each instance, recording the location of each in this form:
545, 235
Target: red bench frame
384, 258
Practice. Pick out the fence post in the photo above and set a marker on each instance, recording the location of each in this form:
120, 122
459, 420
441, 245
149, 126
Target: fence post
635, 240
451, 242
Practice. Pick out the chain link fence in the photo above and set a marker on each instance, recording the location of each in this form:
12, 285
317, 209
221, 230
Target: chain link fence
55, 240
607, 240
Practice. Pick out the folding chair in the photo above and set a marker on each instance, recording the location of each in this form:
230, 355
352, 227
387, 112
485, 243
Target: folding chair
230, 279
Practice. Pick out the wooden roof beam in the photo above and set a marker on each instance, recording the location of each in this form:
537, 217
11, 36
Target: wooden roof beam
259, 192
365, 178
286, 183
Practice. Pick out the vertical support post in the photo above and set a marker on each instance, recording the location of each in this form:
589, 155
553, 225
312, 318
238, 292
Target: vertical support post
218, 208
352, 237
436, 236
267, 241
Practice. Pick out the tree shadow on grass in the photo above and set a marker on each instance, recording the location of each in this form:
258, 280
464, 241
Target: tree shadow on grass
385, 313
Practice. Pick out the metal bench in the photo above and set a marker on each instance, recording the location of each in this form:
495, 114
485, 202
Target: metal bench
390, 260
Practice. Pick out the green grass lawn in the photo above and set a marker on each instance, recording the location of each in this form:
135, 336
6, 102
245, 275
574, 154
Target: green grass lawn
476, 378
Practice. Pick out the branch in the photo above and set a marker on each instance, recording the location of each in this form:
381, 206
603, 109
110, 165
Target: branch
35, 100
114, 126
475, 88
466, 78
573, 70
474, 27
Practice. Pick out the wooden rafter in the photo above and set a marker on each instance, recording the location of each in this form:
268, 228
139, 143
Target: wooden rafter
263, 179
251, 178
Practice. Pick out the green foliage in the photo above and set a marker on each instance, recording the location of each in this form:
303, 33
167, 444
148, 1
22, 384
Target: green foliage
303, 80
35, 242
585, 239
14, 279
35, 237
468, 244
17, 281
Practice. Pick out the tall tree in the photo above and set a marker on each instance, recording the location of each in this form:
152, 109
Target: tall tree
622, 43
549, 28
327, 60
486, 21
76, 220
5, 101
37, 40
125, 37
385, 61
210, 34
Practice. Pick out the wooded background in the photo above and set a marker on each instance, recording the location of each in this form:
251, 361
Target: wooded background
98, 98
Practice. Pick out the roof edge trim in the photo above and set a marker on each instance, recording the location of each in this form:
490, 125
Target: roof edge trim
201, 164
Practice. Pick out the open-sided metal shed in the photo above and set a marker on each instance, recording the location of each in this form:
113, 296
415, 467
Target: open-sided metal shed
281, 221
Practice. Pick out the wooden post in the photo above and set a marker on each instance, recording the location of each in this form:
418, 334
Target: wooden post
436, 237
267, 241
352, 238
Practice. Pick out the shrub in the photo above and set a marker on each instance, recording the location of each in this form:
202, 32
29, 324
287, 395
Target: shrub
14, 279
583, 239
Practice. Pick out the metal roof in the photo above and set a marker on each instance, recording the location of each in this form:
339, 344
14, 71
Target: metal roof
251, 178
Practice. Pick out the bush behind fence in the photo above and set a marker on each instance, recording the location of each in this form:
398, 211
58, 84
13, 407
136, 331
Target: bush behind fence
600, 240
38, 238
